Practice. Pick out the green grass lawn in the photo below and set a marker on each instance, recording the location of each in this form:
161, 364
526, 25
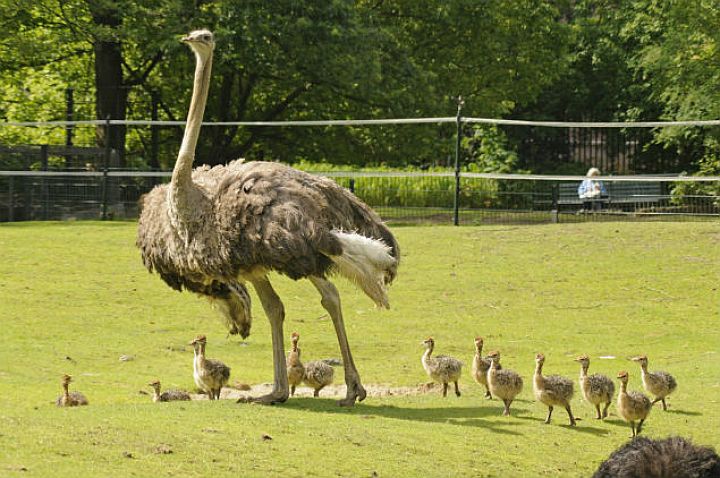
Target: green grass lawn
74, 297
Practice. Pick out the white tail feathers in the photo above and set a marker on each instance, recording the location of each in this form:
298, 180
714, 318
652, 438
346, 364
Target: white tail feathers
366, 262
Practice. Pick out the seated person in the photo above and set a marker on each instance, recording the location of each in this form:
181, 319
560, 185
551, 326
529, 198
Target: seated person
591, 190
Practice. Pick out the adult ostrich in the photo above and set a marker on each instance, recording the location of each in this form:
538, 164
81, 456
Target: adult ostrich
210, 231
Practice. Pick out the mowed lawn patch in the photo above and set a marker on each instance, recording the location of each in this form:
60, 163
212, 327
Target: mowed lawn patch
74, 297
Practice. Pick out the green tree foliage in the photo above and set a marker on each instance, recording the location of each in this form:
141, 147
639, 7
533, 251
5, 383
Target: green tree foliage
678, 58
285, 59
640, 60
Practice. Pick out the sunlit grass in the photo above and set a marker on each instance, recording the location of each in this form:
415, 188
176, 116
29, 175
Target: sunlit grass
74, 297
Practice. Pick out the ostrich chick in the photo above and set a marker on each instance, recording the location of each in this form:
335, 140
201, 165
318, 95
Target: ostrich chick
210, 375
441, 368
552, 390
480, 367
318, 375
596, 388
167, 395
632, 406
660, 384
502, 383
295, 368
70, 399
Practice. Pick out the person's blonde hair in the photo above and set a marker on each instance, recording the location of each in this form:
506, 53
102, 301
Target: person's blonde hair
593, 172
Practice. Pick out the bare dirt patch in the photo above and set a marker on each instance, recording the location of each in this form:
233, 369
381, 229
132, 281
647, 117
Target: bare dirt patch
332, 391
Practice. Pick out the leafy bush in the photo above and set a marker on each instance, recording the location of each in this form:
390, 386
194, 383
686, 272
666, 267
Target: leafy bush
410, 191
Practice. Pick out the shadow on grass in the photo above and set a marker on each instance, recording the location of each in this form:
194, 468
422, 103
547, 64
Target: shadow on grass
580, 427
452, 415
617, 422
684, 412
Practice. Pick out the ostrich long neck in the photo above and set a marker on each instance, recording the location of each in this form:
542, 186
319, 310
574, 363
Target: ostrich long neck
181, 182
584, 370
66, 392
200, 354
427, 354
539, 379
494, 364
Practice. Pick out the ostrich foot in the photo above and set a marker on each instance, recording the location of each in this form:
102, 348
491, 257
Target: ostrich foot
355, 391
269, 399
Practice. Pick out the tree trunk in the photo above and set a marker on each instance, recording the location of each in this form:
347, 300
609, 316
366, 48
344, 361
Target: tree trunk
110, 90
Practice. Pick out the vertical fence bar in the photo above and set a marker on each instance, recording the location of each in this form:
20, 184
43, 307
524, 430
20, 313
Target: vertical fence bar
458, 132
154, 133
26, 186
11, 199
106, 165
554, 209
69, 115
44, 193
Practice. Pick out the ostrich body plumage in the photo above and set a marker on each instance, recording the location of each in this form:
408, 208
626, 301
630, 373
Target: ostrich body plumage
673, 456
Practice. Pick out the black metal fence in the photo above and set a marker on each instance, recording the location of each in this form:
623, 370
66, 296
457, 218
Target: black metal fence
70, 181
546, 150
398, 197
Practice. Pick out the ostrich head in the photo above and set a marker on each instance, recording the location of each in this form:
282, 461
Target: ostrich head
583, 359
428, 343
199, 340
623, 376
66, 379
494, 357
641, 359
294, 339
155, 384
478, 343
202, 42
539, 359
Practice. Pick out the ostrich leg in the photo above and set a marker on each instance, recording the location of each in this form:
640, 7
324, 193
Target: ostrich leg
276, 314
331, 302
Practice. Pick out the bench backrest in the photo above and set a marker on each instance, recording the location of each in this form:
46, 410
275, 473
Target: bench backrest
615, 189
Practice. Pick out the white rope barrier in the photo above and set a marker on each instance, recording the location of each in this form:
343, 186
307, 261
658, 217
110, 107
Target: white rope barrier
392, 174
365, 122
636, 178
372, 122
590, 124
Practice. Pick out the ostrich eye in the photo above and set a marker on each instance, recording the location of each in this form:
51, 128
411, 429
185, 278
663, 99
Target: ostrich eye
206, 37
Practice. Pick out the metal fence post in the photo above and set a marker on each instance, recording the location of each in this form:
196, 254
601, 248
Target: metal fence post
69, 115
11, 200
154, 132
458, 124
554, 216
106, 165
44, 193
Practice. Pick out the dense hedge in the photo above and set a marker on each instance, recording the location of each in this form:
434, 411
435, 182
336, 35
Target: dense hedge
427, 191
